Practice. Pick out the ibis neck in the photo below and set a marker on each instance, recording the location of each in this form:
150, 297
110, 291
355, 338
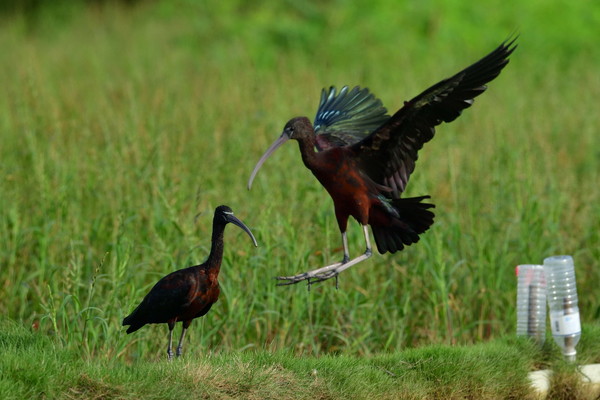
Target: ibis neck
307, 150
216, 249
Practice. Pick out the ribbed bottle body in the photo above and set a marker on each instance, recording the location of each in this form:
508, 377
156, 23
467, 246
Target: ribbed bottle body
561, 290
531, 302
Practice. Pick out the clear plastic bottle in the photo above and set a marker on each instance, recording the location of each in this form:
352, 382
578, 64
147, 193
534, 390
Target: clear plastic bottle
531, 302
562, 300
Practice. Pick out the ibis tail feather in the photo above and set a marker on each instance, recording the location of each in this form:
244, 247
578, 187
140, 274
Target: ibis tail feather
414, 219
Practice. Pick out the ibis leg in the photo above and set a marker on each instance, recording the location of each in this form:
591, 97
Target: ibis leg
180, 345
332, 270
368, 252
315, 273
170, 348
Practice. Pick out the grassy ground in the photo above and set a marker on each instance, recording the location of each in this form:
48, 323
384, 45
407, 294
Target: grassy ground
123, 127
34, 367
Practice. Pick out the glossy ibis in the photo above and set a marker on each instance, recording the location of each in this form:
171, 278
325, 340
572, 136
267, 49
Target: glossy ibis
188, 293
364, 157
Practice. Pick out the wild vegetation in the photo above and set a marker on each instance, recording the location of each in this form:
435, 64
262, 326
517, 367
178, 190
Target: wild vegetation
35, 366
123, 126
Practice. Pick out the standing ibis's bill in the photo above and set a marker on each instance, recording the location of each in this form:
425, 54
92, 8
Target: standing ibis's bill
364, 157
188, 293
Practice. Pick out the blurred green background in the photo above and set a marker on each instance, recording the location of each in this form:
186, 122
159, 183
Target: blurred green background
125, 123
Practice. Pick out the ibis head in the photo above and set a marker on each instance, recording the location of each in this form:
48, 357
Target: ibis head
298, 128
224, 215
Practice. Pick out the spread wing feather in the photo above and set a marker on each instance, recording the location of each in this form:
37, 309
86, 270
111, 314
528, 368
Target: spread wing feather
347, 117
388, 155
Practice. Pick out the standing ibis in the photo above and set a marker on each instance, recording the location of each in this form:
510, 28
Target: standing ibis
364, 157
188, 293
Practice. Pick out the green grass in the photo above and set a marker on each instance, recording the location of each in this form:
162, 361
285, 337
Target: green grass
123, 127
35, 366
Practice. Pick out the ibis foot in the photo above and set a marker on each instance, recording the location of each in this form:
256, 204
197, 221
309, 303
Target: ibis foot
308, 277
325, 273
314, 276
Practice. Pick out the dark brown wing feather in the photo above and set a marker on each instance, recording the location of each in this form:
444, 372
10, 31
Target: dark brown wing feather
388, 155
166, 300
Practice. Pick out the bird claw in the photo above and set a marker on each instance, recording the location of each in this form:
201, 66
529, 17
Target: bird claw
310, 278
328, 272
327, 275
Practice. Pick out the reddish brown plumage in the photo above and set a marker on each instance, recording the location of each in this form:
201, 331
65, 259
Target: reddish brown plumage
364, 157
342, 179
353, 192
188, 293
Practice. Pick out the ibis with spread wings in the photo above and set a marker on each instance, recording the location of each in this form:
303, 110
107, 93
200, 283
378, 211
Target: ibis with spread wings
364, 157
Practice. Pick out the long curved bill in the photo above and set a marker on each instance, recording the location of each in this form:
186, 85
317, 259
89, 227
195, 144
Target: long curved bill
281, 140
234, 220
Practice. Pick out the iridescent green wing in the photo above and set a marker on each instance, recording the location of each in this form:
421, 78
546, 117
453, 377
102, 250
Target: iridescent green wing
347, 117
